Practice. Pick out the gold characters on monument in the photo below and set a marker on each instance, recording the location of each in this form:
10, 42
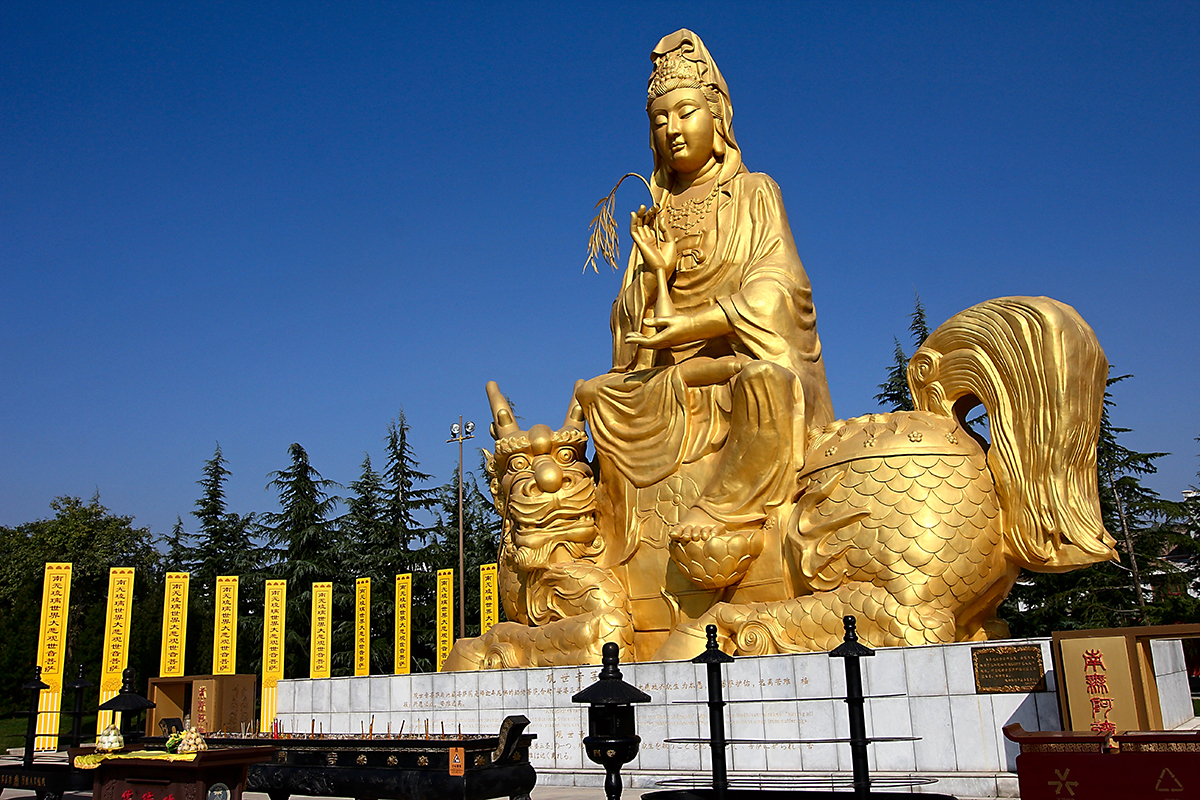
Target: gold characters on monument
725, 492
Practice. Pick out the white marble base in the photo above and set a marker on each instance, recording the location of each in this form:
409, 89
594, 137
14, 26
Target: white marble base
961, 742
1170, 673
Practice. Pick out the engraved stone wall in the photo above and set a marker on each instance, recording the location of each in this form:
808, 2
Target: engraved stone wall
937, 700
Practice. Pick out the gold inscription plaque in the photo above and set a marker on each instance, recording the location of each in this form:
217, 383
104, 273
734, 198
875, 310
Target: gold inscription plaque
1098, 678
1009, 669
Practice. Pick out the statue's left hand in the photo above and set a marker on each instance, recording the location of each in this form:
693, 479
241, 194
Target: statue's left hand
673, 330
680, 329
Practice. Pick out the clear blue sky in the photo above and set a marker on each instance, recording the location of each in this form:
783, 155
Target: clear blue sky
266, 223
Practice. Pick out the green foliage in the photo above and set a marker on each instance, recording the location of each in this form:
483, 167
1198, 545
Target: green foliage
894, 394
373, 552
418, 550
481, 539
302, 527
179, 553
404, 499
94, 540
371, 543
310, 548
225, 545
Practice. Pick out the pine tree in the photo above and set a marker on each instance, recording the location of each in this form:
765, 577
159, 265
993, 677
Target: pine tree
1119, 469
404, 499
1191, 507
178, 556
310, 549
373, 552
225, 542
1191, 533
418, 550
366, 529
893, 392
225, 545
302, 526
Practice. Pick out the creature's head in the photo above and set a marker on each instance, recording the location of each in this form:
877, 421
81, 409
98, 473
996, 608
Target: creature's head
1037, 368
543, 488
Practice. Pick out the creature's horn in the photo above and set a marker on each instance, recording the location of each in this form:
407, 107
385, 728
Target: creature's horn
574, 419
505, 424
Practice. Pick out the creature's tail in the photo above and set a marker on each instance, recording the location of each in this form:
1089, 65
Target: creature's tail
1038, 369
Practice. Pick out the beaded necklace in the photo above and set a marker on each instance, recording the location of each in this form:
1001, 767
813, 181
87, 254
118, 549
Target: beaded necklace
690, 213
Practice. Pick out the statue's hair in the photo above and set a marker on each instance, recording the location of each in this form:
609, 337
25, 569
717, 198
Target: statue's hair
711, 97
1038, 369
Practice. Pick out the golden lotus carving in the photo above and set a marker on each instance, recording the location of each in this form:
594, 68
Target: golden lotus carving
723, 491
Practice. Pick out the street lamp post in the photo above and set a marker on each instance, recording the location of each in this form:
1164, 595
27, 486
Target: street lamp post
459, 433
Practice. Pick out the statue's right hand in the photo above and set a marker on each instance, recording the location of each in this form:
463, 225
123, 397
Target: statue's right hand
657, 256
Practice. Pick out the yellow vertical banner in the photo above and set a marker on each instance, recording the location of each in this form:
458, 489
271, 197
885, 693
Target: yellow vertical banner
362, 626
322, 610
445, 609
274, 620
488, 611
116, 641
403, 622
225, 629
52, 640
174, 626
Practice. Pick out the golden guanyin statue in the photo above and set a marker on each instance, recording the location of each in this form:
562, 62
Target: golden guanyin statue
722, 489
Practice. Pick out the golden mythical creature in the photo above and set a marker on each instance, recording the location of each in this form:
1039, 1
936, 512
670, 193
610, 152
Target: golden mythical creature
722, 489
561, 605
918, 526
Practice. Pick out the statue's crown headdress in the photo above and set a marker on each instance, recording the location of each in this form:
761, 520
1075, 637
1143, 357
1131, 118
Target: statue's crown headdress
673, 71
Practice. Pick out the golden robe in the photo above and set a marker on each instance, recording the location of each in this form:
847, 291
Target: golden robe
649, 424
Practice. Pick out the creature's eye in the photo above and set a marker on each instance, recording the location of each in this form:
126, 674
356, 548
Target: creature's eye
518, 463
565, 455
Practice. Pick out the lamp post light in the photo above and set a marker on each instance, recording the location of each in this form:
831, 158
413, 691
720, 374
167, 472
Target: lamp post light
612, 738
128, 703
460, 432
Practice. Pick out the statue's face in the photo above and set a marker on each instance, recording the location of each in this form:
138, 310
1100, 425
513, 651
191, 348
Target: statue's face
683, 130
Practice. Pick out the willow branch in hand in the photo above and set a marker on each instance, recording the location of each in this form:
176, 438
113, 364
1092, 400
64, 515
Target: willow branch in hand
603, 240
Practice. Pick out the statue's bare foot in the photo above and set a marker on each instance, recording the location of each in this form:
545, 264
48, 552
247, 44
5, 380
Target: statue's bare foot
697, 525
711, 554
